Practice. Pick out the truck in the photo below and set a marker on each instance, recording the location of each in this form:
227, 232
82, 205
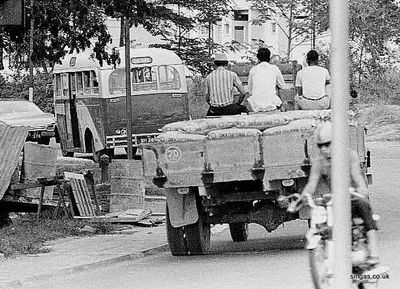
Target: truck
235, 170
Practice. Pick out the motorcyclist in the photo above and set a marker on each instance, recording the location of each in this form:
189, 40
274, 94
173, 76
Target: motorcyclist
320, 182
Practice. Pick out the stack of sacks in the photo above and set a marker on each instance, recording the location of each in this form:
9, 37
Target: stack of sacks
233, 133
176, 136
295, 125
256, 121
243, 125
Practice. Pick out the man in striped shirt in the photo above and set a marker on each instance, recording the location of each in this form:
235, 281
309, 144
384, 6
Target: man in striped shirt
220, 86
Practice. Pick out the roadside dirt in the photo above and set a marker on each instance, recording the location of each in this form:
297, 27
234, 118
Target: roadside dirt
382, 122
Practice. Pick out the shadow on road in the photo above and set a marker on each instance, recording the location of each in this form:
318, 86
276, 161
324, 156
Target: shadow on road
272, 243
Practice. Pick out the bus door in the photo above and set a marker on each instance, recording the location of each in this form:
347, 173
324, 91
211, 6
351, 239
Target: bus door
73, 115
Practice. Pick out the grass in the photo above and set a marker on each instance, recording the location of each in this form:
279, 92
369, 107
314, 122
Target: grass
26, 236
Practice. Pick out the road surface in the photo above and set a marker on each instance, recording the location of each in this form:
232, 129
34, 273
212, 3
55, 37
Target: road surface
268, 260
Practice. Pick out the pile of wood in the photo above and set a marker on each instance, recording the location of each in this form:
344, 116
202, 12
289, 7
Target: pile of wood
138, 217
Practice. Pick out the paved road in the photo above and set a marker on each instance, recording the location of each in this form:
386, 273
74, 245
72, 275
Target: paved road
273, 261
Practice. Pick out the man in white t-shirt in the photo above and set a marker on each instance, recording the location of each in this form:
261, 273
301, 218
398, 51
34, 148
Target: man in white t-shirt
311, 84
264, 79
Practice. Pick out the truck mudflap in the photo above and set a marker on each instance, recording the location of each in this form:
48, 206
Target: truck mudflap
182, 207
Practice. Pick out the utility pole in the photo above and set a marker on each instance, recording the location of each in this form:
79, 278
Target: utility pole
128, 89
31, 51
339, 20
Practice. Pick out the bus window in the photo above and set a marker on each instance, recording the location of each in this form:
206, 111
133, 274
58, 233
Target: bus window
86, 82
169, 77
95, 83
58, 85
64, 84
116, 82
144, 78
79, 82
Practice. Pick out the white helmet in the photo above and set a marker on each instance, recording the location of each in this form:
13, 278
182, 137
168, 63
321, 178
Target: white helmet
324, 133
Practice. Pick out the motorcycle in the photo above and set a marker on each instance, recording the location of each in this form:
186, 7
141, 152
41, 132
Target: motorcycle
320, 244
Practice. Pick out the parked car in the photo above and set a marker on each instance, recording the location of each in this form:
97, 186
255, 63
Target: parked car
21, 112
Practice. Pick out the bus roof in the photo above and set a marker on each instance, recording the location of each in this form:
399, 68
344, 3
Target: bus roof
140, 57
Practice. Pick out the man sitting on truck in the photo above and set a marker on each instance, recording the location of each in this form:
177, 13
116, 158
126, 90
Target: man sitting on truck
311, 84
320, 178
220, 86
264, 80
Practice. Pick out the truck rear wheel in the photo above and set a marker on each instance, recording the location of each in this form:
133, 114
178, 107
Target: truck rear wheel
198, 236
176, 238
239, 231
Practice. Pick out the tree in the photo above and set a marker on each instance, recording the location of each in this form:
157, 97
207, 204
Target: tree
61, 26
373, 25
293, 17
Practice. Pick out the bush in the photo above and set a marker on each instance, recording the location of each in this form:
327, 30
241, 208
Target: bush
17, 86
380, 90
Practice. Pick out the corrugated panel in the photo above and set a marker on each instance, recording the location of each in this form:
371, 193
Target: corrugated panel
12, 140
81, 194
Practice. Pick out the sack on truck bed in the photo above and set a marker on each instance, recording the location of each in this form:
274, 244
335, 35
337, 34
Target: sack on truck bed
176, 136
202, 126
308, 114
233, 133
295, 125
262, 121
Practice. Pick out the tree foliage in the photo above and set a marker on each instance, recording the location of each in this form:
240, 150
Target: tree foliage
373, 26
60, 27
295, 18
18, 87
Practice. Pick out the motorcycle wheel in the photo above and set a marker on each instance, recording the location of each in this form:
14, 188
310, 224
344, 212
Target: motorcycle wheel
319, 261
368, 285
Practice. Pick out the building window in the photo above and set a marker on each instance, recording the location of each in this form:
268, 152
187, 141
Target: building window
203, 30
219, 34
241, 15
273, 27
226, 28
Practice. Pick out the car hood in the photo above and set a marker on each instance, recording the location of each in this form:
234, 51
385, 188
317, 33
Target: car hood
28, 119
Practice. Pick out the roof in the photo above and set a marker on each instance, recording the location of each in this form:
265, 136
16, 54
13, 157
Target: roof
85, 59
12, 139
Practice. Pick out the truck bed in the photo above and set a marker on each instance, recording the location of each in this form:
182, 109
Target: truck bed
239, 153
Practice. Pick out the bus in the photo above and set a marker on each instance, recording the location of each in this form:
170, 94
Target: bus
90, 100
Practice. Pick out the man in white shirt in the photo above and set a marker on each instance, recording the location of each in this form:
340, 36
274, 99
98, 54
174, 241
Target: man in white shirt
311, 84
264, 79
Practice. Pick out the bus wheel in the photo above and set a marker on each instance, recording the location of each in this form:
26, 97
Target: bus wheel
67, 154
44, 141
134, 151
